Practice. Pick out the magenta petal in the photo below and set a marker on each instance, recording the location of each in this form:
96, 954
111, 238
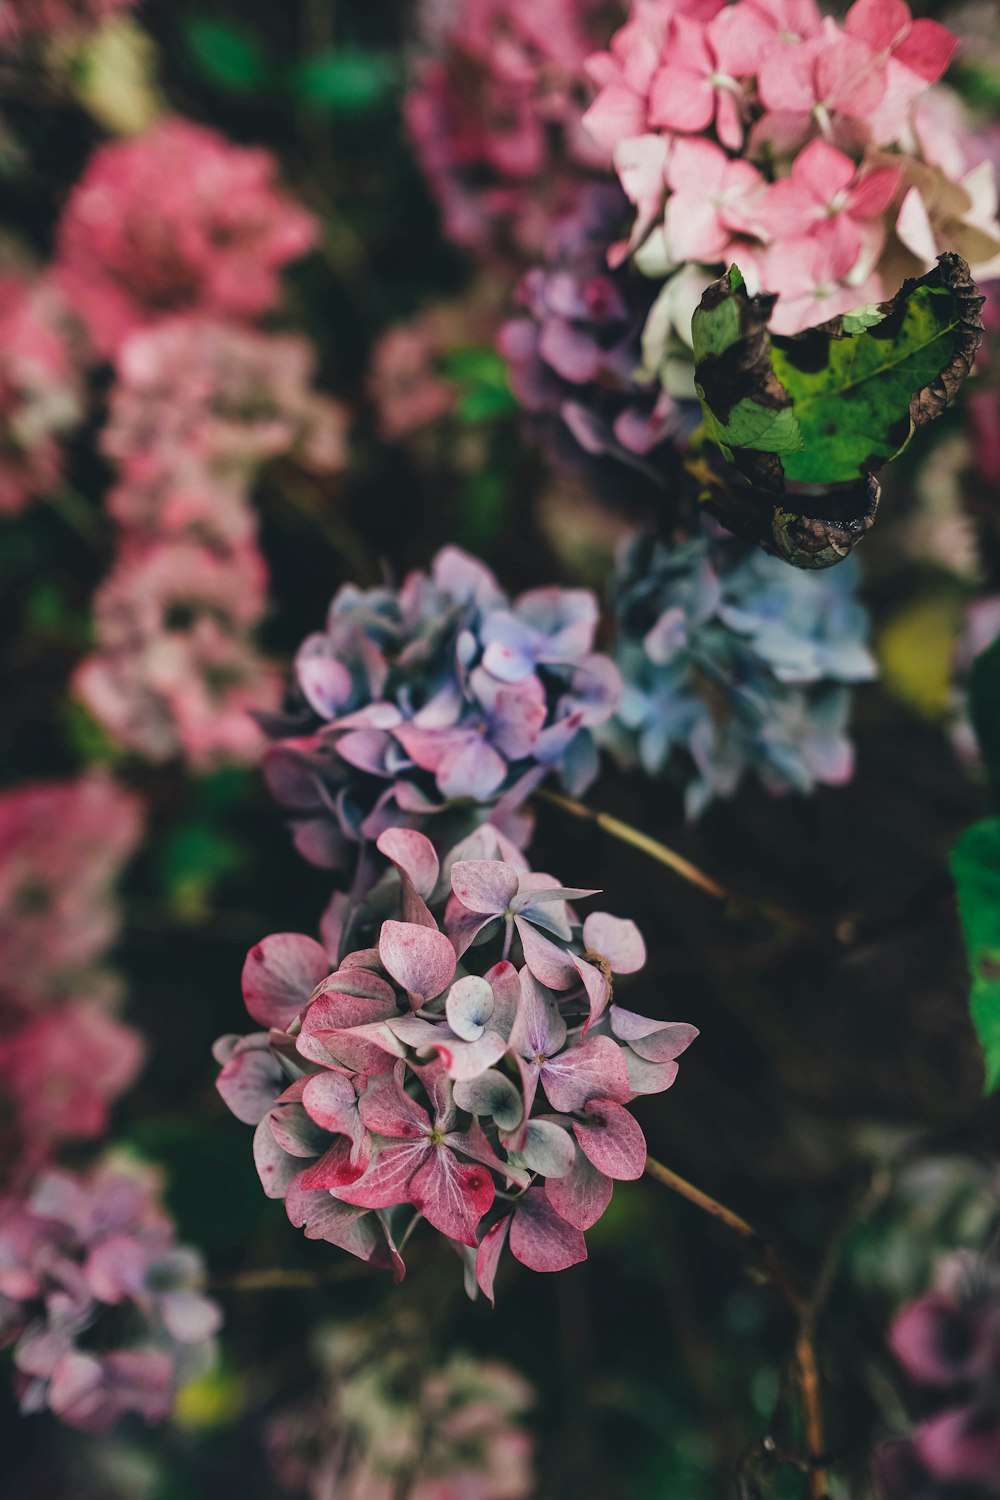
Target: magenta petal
540, 1239
549, 963
388, 1109
326, 1218
595, 1069
612, 1140
413, 855
329, 1099
597, 987
387, 1181
488, 1256
616, 939
279, 975
486, 886
582, 1196
336, 1168
452, 1196
418, 958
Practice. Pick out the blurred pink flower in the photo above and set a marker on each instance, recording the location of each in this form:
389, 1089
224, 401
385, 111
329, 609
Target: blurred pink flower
21, 19
178, 219
41, 396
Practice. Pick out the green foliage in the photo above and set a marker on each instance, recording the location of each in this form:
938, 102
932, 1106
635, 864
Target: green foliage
832, 404
484, 387
975, 863
345, 80
229, 53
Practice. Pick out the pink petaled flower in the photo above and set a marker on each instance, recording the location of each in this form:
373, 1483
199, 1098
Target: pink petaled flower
827, 191
62, 845
379, 1415
78, 1247
41, 398
63, 1070
914, 54
698, 83
811, 273
176, 220
477, 1049
714, 202
405, 385
60, 19
175, 670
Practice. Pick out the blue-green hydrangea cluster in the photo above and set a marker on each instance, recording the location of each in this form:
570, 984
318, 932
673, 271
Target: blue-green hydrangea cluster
733, 662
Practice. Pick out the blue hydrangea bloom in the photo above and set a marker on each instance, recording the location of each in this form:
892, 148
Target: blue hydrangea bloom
738, 660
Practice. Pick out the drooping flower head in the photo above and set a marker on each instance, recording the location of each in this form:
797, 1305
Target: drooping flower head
175, 670
435, 703
105, 1311
948, 1344
176, 220
737, 662
379, 1416
453, 1051
494, 112
41, 396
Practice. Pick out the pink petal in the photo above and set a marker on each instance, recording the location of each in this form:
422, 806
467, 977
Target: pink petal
597, 987
658, 1041
326, 1218
581, 1197
279, 975
387, 1181
336, 1168
451, 1196
874, 193
484, 886
330, 1100
388, 1109
540, 1239
617, 939
488, 1256
275, 1168
418, 958
593, 1069
927, 49
552, 965
251, 1079
413, 855
539, 1028
612, 1141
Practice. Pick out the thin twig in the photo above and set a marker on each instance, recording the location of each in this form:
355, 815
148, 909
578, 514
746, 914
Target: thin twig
801, 1304
664, 855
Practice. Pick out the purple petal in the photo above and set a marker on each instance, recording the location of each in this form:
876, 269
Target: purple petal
582, 1196
484, 886
611, 1140
413, 855
656, 1041
552, 965
473, 769
452, 1196
594, 1069
488, 1256
617, 939
326, 1218
540, 1239
539, 1029
419, 958
275, 1167
251, 1079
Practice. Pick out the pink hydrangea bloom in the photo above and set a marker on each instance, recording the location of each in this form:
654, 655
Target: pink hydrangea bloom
380, 1415
22, 19
478, 1047
62, 845
404, 380
494, 112
178, 219
174, 670
41, 397
76, 1248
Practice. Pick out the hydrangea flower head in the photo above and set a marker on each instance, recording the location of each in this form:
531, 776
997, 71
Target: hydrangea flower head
380, 1416
494, 112
454, 1052
738, 660
41, 397
79, 1253
441, 697
175, 670
948, 1344
177, 219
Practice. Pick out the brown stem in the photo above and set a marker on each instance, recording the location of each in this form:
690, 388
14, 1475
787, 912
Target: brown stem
280, 1278
788, 1283
664, 855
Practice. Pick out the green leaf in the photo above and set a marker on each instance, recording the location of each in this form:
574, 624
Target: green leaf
984, 704
346, 81
484, 386
975, 864
230, 54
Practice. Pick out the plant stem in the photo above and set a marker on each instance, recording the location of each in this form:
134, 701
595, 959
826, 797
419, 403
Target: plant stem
626, 834
280, 1278
781, 1275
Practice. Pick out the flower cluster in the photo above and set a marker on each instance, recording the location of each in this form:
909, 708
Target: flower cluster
24, 19
803, 149
41, 397
165, 281
452, 1051
948, 1343
176, 220
494, 111
380, 1417
104, 1309
443, 696
738, 660
64, 1056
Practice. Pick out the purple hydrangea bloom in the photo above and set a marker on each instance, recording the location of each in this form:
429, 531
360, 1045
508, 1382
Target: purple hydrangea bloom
453, 1051
75, 1255
738, 660
948, 1343
439, 704
575, 358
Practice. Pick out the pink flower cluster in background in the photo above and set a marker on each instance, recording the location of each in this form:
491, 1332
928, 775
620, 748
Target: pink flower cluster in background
494, 111
80, 1252
948, 1343
41, 393
21, 20
452, 1051
379, 1418
170, 245
806, 151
